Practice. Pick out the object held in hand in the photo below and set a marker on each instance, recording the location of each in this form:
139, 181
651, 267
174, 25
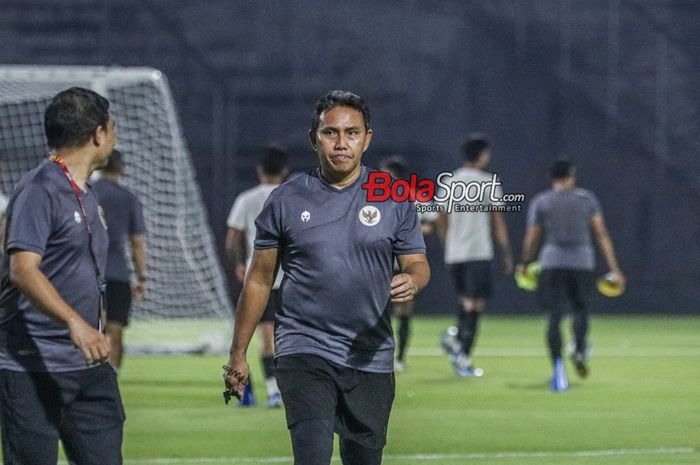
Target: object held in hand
610, 285
228, 393
231, 392
527, 279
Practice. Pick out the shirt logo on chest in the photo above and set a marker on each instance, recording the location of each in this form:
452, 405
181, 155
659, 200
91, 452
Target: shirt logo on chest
76, 216
305, 216
369, 215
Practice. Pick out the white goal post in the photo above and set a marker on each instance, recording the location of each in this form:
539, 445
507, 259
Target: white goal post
186, 281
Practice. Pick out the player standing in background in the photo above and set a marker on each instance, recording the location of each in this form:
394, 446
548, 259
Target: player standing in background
565, 215
334, 346
3, 208
272, 170
124, 215
54, 382
469, 238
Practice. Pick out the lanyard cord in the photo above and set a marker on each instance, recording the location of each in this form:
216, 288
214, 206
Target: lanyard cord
56, 159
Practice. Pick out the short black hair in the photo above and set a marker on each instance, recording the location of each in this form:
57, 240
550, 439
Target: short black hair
474, 146
339, 98
273, 160
395, 164
72, 117
562, 169
115, 163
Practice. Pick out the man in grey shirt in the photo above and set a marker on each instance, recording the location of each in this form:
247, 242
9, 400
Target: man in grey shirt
333, 341
566, 216
54, 382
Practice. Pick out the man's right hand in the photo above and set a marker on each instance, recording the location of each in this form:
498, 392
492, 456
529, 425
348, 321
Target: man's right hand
93, 344
236, 375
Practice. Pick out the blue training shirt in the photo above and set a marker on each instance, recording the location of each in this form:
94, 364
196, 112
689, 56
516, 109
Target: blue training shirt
44, 217
337, 252
124, 216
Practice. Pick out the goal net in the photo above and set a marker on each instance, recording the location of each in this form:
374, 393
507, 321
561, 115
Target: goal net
187, 308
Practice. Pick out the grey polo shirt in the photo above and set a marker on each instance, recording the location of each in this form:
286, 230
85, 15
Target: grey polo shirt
44, 217
124, 216
337, 252
565, 217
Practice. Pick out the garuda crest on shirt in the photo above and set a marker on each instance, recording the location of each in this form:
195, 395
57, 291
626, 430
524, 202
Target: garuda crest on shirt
369, 215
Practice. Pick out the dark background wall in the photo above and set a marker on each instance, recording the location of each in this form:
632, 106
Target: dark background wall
610, 83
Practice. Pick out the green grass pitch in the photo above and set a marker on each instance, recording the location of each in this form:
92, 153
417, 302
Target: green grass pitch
640, 405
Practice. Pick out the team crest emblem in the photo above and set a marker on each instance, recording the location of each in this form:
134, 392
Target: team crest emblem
101, 214
305, 216
369, 216
76, 216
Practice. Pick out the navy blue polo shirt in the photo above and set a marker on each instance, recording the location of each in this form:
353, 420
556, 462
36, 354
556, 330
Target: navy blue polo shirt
337, 252
44, 217
124, 216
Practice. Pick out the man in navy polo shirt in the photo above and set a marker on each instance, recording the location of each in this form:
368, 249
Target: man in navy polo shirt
333, 341
54, 382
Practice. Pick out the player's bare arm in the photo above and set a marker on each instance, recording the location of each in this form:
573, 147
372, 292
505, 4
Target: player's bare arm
251, 305
500, 237
441, 227
600, 231
236, 251
414, 276
531, 244
27, 276
138, 257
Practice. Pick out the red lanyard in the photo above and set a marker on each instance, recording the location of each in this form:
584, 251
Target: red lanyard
56, 159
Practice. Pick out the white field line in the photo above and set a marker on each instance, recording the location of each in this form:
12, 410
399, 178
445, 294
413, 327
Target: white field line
421, 457
541, 352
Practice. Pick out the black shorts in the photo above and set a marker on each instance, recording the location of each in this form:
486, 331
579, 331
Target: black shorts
81, 408
118, 294
558, 287
473, 279
274, 304
357, 401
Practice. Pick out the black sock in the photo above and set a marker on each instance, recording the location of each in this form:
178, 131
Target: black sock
580, 330
404, 331
268, 363
554, 334
468, 325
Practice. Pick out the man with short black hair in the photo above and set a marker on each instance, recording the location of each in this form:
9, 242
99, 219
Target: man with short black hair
54, 382
565, 216
124, 215
469, 237
334, 346
272, 171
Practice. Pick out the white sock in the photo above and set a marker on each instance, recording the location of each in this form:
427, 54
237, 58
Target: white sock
271, 385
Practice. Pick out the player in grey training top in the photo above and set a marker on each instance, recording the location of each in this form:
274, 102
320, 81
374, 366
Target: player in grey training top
333, 340
124, 215
565, 216
3, 207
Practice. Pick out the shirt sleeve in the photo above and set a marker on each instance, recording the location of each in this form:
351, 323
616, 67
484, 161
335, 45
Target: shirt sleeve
30, 220
236, 218
268, 224
409, 238
596, 209
534, 213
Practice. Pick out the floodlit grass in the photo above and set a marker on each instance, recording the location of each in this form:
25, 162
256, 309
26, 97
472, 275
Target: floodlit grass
641, 404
